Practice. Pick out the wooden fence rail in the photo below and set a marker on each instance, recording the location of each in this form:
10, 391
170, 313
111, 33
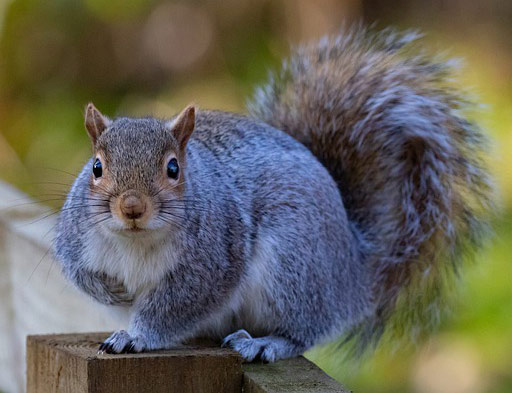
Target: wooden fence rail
69, 363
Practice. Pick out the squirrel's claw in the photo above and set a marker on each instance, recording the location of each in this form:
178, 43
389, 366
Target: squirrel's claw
251, 349
236, 336
101, 349
122, 342
267, 349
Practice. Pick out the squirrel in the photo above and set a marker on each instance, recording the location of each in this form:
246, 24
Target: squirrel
339, 207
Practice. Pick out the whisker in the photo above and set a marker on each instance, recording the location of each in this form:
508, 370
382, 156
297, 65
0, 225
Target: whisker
24, 204
185, 202
158, 192
169, 220
191, 208
173, 215
50, 230
182, 200
172, 222
49, 271
108, 193
96, 214
81, 197
49, 183
71, 207
97, 222
41, 218
39, 201
61, 171
38, 263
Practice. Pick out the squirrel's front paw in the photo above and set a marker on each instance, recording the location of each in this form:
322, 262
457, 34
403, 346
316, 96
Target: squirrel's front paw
122, 342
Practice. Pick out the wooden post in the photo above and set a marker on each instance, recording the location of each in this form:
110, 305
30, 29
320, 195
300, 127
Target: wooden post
69, 363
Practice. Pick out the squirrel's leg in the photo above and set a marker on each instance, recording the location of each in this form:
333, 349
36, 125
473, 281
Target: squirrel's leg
154, 325
266, 349
105, 289
172, 312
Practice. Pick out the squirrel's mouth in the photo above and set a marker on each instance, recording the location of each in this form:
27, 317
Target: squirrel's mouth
134, 229
131, 232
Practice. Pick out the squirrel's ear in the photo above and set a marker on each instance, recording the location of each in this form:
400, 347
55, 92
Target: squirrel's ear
183, 126
95, 122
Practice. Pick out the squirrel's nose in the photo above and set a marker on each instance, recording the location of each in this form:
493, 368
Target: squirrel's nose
132, 207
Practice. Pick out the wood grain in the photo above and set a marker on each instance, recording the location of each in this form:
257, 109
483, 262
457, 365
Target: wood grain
70, 363
296, 375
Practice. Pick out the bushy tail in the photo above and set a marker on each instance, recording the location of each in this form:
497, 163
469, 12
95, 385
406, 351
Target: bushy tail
387, 122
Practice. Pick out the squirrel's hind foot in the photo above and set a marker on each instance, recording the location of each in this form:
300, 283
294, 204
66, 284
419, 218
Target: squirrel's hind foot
268, 349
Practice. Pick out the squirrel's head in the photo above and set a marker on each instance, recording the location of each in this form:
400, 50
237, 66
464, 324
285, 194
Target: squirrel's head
136, 178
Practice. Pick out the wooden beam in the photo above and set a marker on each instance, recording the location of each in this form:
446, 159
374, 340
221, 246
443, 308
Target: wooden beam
296, 375
69, 363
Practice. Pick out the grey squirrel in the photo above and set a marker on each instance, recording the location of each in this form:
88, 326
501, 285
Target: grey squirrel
347, 196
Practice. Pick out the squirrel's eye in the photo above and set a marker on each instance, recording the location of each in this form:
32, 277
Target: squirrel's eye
172, 168
97, 169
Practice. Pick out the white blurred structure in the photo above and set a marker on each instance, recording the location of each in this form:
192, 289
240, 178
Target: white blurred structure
35, 297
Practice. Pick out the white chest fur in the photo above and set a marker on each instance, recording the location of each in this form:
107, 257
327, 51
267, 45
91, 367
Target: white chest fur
138, 262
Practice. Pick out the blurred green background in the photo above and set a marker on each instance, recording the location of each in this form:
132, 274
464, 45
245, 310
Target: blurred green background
144, 57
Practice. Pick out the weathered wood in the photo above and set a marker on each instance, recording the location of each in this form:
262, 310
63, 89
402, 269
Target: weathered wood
291, 375
70, 363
